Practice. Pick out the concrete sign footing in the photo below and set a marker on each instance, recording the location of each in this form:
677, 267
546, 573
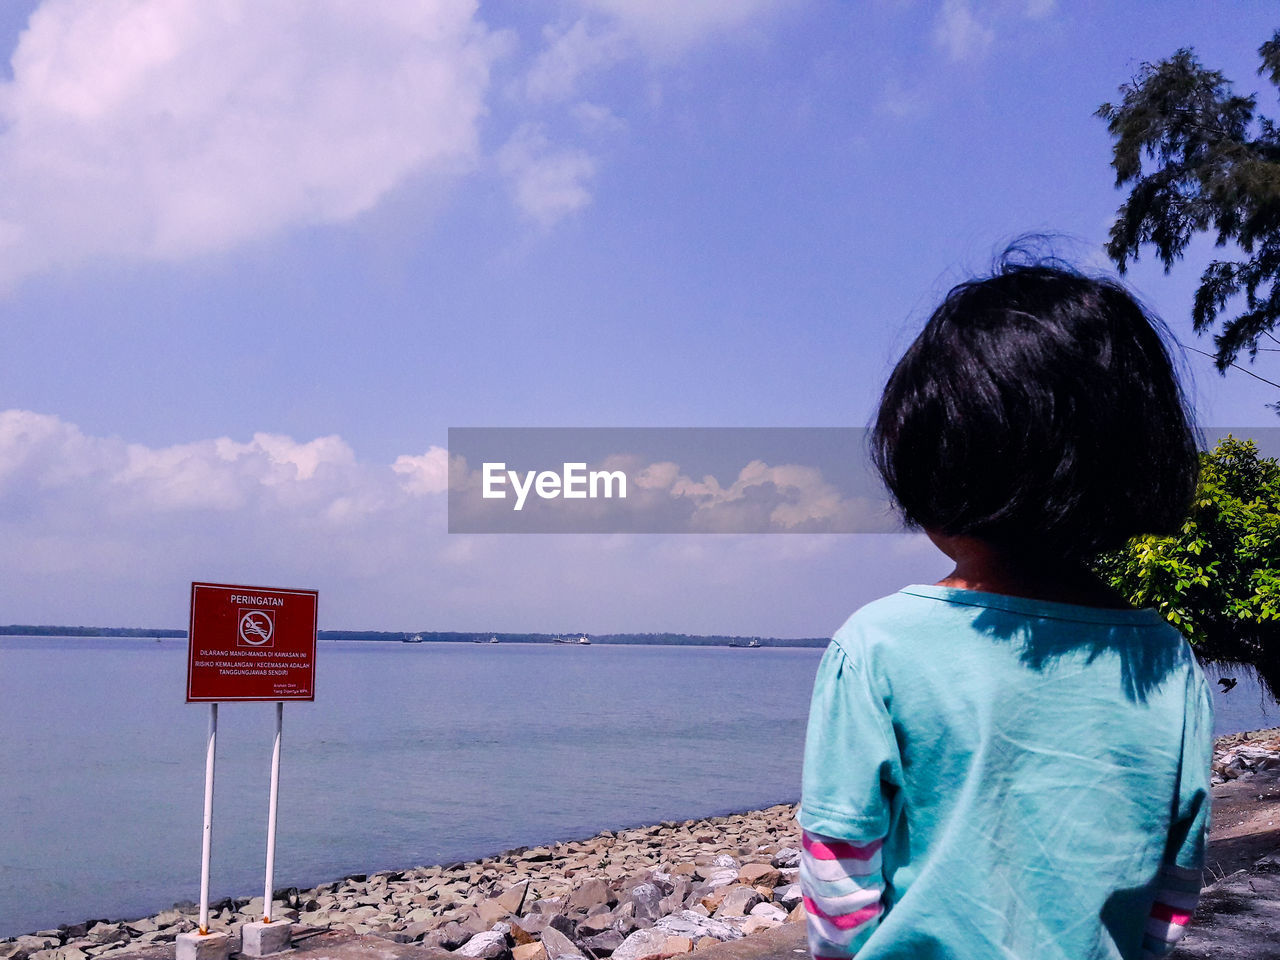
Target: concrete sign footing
260, 939
214, 945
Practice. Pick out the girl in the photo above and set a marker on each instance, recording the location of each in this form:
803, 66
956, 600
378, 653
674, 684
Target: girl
1013, 762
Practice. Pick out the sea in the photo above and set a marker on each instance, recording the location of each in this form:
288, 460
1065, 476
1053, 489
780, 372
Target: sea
411, 754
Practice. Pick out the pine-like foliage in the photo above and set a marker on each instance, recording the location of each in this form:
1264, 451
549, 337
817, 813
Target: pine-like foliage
1199, 158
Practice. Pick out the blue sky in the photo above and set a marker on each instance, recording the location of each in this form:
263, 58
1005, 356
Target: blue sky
257, 257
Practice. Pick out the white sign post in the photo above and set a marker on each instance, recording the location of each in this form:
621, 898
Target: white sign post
271, 815
206, 848
203, 945
263, 938
244, 644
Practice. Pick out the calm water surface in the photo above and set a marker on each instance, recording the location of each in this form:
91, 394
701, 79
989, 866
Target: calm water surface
412, 754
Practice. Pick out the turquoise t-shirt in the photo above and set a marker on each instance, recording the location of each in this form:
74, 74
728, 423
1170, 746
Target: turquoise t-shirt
1030, 764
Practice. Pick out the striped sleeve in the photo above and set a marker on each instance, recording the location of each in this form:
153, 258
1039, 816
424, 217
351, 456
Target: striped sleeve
842, 883
1176, 898
1178, 883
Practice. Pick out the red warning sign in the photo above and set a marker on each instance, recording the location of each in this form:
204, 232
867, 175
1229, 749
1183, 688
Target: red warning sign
251, 643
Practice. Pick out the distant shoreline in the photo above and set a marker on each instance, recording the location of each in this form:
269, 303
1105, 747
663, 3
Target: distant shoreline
429, 636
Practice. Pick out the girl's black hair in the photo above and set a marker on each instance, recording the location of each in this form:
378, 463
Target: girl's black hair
1038, 410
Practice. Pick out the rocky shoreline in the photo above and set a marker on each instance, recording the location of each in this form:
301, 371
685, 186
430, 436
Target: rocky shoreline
663, 890
1240, 754
668, 888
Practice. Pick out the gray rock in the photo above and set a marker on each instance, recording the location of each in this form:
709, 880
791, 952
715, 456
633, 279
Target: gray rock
398, 936
647, 898
721, 877
676, 897
108, 933
759, 875
1267, 863
490, 912
642, 943
589, 894
489, 945
31, 944
770, 911
472, 923
513, 898
625, 918
417, 930
561, 923
786, 858
449, 936
598, 923
788, 895
756, 924
606, 942
533, 922
558, 945
738, 902
686, 923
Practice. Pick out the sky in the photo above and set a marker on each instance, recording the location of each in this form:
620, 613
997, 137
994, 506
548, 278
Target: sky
257, 257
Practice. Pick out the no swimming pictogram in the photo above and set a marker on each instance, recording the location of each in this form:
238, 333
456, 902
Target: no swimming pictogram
257, 627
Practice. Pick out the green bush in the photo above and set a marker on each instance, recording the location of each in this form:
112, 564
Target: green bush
1218, 580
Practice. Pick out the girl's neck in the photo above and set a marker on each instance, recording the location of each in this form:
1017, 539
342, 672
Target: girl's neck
982, 566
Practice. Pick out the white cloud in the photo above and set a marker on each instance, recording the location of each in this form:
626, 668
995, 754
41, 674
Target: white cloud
100, 530
674, 24
784, 497
571, 52
900, 101
595, 118
548, 182
161, 129
427, 473
83, 510
40, 453
958, 32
